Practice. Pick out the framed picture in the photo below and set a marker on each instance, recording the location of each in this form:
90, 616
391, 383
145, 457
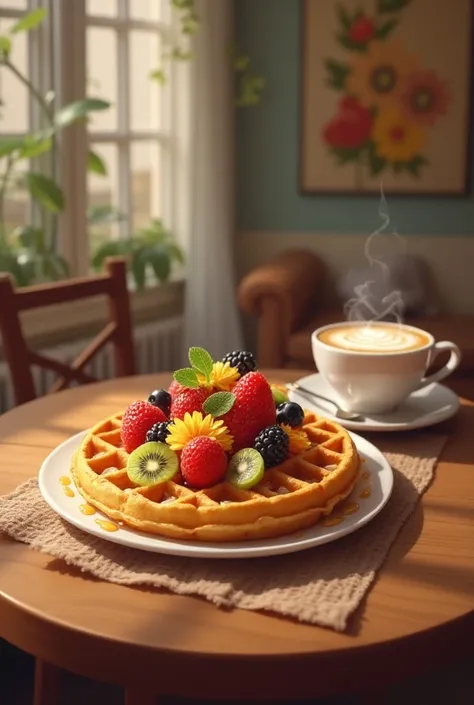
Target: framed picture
386, 96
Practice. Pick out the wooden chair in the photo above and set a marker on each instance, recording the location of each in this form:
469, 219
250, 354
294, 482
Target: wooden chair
20, 358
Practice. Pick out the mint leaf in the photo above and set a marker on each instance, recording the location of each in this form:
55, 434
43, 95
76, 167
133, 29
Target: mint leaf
201, 361
219, 403
187, 378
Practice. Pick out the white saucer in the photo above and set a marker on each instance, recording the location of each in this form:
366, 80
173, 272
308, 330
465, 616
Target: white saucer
380, 481
426, 407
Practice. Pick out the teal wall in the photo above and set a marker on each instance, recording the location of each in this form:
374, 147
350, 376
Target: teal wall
267, 147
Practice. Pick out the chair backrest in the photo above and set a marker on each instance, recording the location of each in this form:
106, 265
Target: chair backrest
112, 283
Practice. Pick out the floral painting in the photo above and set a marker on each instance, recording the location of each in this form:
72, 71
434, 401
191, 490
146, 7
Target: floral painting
386, 95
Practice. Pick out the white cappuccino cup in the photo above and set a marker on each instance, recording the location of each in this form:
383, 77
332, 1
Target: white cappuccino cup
373, 367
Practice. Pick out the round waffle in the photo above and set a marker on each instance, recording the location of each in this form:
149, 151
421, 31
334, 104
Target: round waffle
291, 496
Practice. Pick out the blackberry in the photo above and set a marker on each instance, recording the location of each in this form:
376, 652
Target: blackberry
290, 413
242, 360
158, 432
272, 444
162, 399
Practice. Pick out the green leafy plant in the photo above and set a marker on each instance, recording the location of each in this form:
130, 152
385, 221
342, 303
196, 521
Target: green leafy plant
151, 250
30, 253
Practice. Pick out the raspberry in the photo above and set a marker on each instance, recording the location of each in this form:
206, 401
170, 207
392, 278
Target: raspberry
253, 410
203, 462
188, 400
272, 443
241, 359
137, 420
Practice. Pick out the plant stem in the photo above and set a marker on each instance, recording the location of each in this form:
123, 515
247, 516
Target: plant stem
3, 188
49, 115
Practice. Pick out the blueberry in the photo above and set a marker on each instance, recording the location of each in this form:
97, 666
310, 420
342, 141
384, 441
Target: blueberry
290, 413
162, 399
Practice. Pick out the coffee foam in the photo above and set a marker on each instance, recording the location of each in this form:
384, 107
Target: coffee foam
373, 338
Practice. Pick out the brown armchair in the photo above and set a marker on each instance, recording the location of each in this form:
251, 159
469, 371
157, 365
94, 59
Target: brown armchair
287, 296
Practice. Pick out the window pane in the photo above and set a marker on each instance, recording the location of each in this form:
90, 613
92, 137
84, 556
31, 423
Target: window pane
17, 202
145, 9
102, 75
106, 8
14, 4
146, 199
145, 93
13, 94
102, 193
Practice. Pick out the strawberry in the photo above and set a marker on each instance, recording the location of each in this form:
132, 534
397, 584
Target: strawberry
175, 388
253, 410
137, 420
188, 400
203, 462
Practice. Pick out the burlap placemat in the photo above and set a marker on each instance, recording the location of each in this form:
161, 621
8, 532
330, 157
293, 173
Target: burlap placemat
323, 585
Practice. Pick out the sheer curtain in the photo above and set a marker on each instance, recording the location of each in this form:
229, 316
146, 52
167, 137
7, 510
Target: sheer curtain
211, 314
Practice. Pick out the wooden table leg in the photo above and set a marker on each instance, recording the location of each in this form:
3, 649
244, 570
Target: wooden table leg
47, 683
135, 696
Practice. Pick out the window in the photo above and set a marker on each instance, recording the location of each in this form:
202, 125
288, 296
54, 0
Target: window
106, 49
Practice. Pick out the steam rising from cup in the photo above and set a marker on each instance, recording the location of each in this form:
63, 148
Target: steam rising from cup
367, 304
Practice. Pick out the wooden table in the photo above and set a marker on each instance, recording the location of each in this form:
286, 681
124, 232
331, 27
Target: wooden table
415, 617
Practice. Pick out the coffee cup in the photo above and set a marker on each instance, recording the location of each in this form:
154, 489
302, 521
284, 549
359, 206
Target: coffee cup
373, 367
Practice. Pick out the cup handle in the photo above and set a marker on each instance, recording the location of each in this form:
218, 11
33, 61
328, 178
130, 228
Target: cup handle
450, 366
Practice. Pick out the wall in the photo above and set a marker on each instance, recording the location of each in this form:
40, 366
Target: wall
272, 215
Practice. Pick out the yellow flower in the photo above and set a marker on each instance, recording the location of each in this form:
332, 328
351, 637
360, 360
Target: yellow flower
396, 138
377, 75
298, 440
183, 431
223, 377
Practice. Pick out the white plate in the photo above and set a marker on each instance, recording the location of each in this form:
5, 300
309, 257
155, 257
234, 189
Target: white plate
426, 407
380, 479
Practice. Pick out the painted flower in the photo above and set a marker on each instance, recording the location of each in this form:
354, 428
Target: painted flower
191, 426
425, 97
361, 30
350, 128
396, 138
377, 76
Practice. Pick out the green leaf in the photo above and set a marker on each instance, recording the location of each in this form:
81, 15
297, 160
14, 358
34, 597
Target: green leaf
159, 258
45, 191
414, 165
9, 146
5, 47
376, 162
79, 109
55, 267
385, 29
219, 403
139, 264
31, 238
96, 164
347, 43
103, 214
337, 73
344, 17
34, 146
346, 155
158, 75
392, 5
176, 252
29, 21
109, 249
201, 361
187, 378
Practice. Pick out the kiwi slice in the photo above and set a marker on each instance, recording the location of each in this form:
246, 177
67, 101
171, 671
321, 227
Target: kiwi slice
246, 468
151, 464
279, 396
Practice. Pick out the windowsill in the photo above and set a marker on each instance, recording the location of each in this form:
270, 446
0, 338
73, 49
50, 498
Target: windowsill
62, 323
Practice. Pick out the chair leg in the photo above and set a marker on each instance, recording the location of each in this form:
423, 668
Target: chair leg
47, 683
135, 696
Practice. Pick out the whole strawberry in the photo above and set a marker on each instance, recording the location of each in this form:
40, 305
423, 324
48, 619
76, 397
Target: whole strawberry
203, 462
253, 410
175, 388
137, 420
188, 400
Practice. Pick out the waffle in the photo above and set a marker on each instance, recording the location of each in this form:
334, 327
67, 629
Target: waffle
291, 496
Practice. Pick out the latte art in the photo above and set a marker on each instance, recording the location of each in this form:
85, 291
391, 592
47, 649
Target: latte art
374, 337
